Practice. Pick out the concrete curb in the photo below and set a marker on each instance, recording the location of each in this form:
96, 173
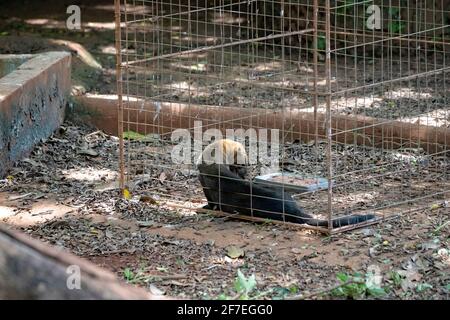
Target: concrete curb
32, 104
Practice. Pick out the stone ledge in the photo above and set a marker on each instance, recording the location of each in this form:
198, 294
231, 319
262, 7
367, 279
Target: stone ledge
32, 104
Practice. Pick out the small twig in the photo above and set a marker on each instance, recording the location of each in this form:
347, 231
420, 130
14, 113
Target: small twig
167, 277
19, 197
43, 213
441, 227
212, 267
222, 219
105, 253
321, 292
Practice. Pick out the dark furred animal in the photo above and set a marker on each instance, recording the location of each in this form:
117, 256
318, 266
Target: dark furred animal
227, 190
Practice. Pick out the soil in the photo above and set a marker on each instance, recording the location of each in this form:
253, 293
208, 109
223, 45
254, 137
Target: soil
66, 192
66, 195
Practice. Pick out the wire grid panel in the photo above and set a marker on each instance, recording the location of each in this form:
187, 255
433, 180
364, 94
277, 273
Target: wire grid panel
390, 105
359, 101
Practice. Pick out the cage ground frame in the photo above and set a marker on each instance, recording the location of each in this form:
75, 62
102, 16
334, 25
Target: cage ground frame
318, 62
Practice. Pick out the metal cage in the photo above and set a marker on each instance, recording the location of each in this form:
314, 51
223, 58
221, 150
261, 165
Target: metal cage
358, 91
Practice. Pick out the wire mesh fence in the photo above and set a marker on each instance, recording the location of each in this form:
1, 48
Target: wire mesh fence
345, 104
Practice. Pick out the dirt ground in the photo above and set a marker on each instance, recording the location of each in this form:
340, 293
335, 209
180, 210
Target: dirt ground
66, 192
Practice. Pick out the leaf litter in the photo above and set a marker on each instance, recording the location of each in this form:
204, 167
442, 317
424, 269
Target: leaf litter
77, 167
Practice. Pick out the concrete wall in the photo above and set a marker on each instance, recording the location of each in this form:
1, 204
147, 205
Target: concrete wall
32, 104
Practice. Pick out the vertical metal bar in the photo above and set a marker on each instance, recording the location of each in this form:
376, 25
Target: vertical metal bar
328, 105
316, 71
119, 93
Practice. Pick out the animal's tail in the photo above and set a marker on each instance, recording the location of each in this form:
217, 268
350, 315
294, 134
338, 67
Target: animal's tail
340, 222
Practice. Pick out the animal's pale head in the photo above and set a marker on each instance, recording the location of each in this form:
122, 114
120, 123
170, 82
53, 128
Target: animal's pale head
227, 152
234, 152
224, 151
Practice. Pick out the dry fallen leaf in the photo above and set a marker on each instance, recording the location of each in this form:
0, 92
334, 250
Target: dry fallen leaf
126, 194
155, 290
234, 252
88, 152
30, 161
145, 223
147, 199
436, 206
109, 234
